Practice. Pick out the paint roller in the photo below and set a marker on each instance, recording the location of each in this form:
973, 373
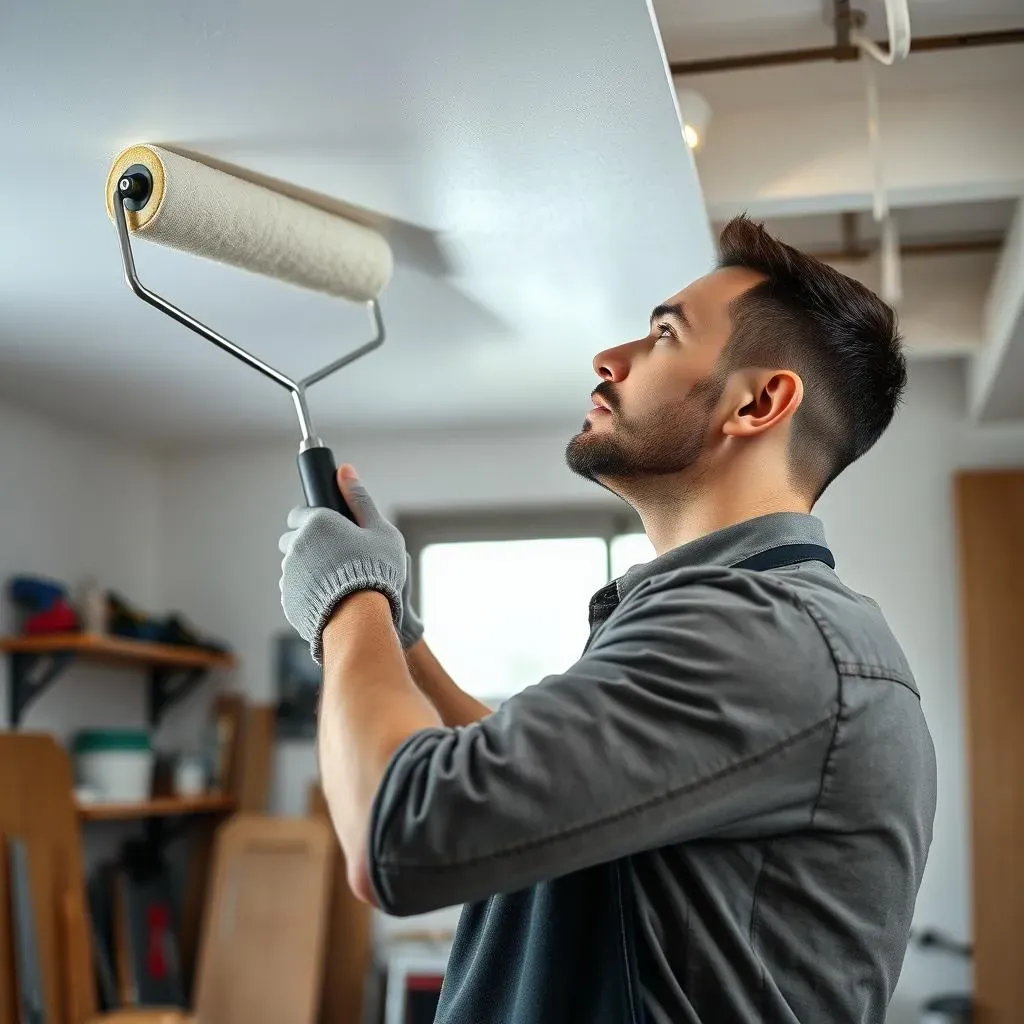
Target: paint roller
170, 199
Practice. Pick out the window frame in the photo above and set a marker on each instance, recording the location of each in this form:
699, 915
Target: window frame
528, 522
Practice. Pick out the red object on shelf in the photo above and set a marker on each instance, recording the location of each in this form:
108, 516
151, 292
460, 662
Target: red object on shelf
60, 618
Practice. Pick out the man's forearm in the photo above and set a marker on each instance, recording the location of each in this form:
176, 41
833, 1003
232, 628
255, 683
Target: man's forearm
454, 705
368, 707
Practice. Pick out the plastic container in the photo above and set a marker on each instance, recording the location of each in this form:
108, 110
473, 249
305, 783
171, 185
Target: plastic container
116, 763
189, 777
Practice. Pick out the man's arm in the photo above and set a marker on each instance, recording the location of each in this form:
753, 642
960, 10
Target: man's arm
454, 705
691, 715
369, 706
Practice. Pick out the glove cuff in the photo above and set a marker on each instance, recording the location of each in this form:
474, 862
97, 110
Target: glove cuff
332, 587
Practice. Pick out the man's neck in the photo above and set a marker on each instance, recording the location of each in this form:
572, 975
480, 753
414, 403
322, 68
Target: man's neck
681, 514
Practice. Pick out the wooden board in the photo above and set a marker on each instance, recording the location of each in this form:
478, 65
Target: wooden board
40, 809
348, 949
250, 791
990, 508
197, 879
229, 717
256, 758
265, 922
102, 647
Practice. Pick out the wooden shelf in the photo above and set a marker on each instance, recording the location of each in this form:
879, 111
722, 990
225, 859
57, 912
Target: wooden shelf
174, 670
102, 647
158, 807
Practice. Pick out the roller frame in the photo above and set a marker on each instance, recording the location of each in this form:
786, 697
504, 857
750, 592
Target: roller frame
297, 388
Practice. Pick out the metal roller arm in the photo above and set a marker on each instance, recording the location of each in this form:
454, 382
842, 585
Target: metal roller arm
297, 388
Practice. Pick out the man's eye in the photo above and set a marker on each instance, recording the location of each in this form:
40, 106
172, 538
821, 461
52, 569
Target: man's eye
664, 331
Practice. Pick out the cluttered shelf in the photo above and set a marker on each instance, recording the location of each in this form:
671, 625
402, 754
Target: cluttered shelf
103, 647
159, 807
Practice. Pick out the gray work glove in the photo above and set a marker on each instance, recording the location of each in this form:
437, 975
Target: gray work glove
411, 628
327, 557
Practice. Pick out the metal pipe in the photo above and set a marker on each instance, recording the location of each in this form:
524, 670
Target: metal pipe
920, 44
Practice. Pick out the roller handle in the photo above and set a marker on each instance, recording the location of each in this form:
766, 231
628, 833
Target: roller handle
320, 480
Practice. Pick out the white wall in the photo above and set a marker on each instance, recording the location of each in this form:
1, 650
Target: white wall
889, 520
73, 506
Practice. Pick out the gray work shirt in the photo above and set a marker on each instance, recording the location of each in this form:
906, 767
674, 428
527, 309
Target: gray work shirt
747, 747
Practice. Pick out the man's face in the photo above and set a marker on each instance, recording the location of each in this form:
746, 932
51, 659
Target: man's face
657, 403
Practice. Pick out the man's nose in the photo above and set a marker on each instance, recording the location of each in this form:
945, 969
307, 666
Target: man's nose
613, 363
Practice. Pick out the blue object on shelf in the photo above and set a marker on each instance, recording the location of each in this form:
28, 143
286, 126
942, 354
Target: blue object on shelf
35, 593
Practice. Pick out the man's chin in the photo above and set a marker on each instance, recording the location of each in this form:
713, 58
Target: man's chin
592, 458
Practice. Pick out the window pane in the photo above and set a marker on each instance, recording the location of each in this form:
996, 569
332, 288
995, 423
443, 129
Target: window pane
501, 615
629, 549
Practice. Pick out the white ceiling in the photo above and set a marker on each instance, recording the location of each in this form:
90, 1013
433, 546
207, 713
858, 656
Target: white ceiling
527, 162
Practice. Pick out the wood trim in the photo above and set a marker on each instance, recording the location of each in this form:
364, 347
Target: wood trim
990, 523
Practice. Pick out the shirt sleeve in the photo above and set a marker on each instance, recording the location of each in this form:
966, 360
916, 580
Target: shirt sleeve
699, 710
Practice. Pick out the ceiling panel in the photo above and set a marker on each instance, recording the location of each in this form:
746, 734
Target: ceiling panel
698, 29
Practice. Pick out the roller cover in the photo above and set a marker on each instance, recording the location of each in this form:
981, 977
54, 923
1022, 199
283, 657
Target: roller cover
203, 211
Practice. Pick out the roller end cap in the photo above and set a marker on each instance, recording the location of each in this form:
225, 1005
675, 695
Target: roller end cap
134, 187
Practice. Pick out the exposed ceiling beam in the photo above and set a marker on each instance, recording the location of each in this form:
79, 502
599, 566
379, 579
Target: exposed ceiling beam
921, 44
953, 246
793, 159
941, 313
995, 381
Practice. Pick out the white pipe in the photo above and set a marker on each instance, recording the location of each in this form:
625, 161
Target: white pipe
897, 19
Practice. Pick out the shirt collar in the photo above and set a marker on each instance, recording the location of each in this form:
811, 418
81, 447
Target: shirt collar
730, 545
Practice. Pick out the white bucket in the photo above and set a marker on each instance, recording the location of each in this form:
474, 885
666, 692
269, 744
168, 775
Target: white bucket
116, 763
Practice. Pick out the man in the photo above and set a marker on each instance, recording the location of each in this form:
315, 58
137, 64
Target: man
722, 811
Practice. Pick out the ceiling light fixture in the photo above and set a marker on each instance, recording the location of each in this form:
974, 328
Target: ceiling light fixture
695, 115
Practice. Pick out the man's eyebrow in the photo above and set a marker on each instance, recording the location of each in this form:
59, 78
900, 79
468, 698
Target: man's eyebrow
674, 309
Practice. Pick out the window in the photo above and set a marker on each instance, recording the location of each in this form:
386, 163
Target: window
629, 549
504, 598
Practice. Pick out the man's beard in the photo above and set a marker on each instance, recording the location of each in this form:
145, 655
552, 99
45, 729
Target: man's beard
663, 441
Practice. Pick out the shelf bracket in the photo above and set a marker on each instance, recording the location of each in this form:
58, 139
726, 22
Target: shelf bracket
167, 686
30, 675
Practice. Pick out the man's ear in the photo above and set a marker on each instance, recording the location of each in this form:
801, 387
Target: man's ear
764, 399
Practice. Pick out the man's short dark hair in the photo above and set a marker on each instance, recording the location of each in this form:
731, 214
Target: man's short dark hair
840, 337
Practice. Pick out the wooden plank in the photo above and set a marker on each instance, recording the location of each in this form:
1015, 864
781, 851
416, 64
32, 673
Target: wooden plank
990, 508
40, 809
262, 944
348, 951
197, 886
102, 647
250, 787
256, 758
161, 806
229, 717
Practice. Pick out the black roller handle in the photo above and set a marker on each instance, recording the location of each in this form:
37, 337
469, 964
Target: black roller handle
320, 480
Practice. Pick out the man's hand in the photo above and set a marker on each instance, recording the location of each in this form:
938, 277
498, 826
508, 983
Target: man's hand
327, 557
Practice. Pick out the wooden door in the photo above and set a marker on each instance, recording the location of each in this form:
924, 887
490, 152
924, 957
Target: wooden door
990, 510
